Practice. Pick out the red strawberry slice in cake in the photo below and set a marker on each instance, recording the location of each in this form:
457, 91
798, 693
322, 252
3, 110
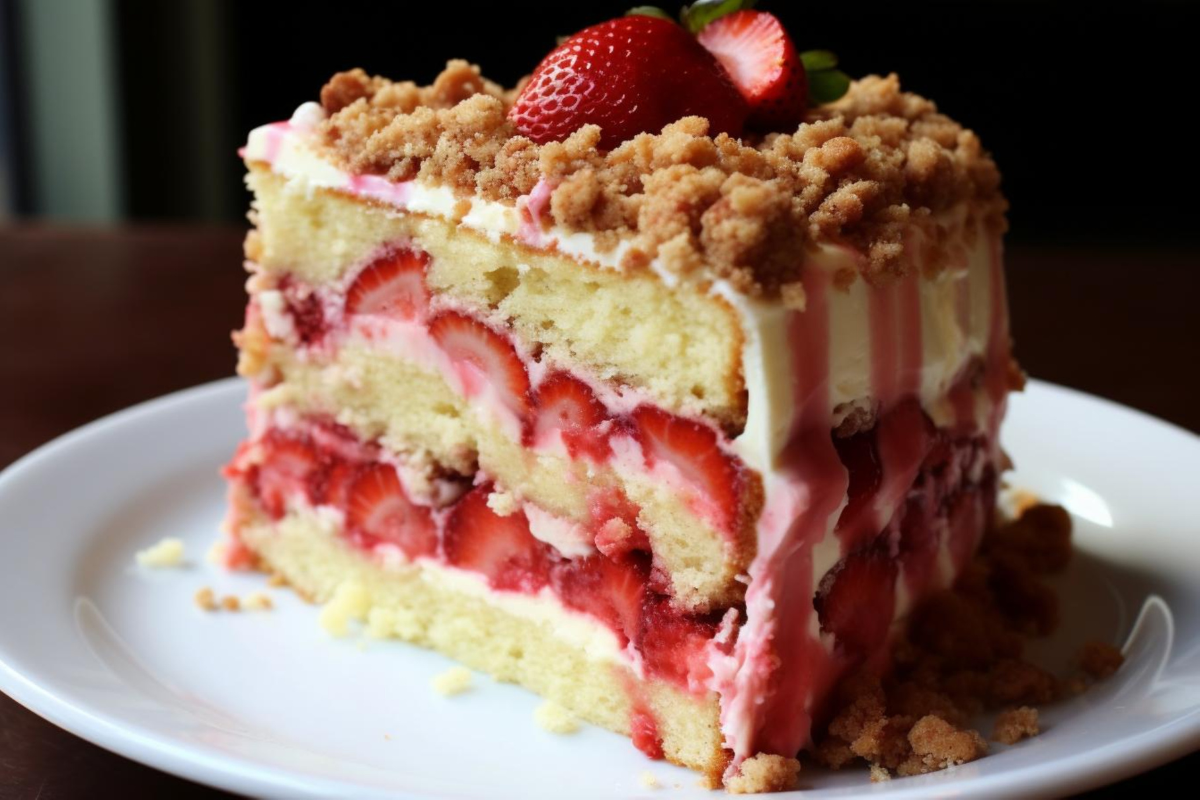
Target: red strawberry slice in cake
856, 599
612, 591
759, 56
569, 405
485, 357
693, 449
378, 508
501, 548
629, 75
287, 466
391, 286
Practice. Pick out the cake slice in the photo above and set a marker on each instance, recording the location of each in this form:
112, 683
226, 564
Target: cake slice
668, 426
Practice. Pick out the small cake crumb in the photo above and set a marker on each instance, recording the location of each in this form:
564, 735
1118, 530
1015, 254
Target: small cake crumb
455, 680
765, 773
1016, 724
216, 553
649, 780
165, 554
936, 744
350, 601
205, 599
503, 503
276, 580
552, 717
1100, 659
230, 602
257, 601
879, 774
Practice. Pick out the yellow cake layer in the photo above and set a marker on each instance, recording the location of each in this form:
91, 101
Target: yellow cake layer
453, 614
414, 412
681, 345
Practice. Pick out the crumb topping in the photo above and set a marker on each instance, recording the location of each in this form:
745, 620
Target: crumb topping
880, 170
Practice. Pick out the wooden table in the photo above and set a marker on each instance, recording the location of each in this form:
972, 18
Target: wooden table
92, 321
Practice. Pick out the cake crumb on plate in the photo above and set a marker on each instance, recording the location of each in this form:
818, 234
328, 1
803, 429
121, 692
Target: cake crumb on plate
1100, 659
552, 717
205, 599
649, 780
350, 601
765, 773
1016, 724
257, 601
455, 680
166, 553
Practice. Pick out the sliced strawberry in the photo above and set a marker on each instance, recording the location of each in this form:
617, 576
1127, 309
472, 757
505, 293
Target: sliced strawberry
334, 489
391, 286
628, 75
567, 404
486, 355
673, 645
287, 466
308, 315
759, 56
643, 729
611, 591
501, 548
856, 600
378, 508
693, 449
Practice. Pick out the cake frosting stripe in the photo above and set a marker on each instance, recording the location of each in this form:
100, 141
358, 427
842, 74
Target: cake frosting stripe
710, 482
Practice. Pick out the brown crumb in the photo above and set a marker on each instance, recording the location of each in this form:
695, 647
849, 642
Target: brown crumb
879, 774
877, 170
205, 599
276, 580
230, 602
1016, 724
936, 744
1100, 659
764, 773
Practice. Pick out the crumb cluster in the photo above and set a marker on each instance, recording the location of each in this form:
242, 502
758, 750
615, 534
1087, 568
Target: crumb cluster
880, 170
962, 655
164, 554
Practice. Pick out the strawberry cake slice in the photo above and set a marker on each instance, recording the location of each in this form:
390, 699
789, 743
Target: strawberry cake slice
663, 385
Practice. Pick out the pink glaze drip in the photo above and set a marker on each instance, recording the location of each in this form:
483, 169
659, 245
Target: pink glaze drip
379, 188
768, 682
532, 208
897, 359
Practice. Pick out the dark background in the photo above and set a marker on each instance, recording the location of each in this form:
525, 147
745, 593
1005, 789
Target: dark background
1086, 106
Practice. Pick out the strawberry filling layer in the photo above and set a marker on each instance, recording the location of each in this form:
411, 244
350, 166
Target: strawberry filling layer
549, 409
321, 465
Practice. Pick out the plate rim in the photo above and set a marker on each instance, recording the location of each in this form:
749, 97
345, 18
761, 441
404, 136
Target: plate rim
1078, 772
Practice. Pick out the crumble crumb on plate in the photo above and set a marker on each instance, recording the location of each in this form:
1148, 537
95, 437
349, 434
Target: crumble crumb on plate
455, 680
166, 553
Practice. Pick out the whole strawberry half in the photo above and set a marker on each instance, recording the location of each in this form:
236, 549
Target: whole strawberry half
763, 63
628, 75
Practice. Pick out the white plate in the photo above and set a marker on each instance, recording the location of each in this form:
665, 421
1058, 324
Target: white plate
266, 704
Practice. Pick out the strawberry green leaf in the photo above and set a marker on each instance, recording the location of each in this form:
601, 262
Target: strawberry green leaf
825, 86
648, 11
818, 60
702, 12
